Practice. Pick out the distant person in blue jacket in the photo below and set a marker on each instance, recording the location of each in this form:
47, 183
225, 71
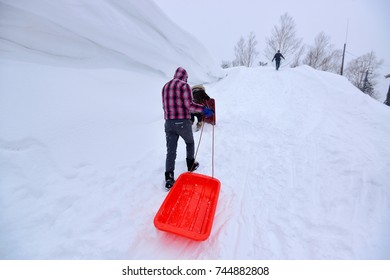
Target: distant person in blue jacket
278, 57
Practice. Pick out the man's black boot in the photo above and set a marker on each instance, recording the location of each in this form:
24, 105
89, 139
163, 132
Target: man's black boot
169, 180
192, 165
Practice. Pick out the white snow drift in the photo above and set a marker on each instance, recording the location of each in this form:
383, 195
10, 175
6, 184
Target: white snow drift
302, 155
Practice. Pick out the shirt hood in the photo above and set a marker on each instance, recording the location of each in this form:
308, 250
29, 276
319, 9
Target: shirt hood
181, 74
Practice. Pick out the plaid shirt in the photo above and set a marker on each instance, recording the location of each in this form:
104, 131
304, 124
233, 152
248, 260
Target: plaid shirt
177, 97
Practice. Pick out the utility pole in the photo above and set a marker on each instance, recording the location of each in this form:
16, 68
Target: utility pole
345, 44
365, 82
342, 62
387, 101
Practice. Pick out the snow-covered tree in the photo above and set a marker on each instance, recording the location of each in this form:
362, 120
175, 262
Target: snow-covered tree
363, 71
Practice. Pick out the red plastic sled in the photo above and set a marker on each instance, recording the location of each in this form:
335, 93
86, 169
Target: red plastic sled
189, 208
211, 104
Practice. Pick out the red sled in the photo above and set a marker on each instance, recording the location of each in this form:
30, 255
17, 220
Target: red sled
211, 104
189, 208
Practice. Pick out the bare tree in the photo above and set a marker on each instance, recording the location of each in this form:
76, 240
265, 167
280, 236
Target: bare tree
284, 38
322, 55
298, 57
251, 49
363, 71
245, 51
239, 51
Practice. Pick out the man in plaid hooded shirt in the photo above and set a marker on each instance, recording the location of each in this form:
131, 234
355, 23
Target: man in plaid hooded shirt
177, 105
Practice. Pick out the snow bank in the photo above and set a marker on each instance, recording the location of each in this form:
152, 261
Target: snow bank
104, 34
303, 156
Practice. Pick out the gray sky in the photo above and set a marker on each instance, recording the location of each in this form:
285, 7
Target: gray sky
219, 24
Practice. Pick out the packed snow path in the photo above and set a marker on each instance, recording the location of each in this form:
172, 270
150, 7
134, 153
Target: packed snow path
302, 168
301, 176
302, 157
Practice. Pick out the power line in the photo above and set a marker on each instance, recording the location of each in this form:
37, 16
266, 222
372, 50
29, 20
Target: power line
352, 54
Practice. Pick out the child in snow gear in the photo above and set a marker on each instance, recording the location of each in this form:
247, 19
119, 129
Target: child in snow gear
200, 97
278, 57
177, 105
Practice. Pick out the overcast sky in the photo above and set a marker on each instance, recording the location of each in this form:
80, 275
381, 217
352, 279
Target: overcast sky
219, 24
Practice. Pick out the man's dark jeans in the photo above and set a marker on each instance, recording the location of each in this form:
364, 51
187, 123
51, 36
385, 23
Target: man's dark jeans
174, 129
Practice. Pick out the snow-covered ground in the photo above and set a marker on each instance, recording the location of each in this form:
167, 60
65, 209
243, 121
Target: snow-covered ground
303, 157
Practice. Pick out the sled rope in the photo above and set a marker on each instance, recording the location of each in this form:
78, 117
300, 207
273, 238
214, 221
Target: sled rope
212, 152
197, 148
212, 155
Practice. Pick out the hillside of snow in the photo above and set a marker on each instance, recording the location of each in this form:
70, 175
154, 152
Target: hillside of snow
302, 155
